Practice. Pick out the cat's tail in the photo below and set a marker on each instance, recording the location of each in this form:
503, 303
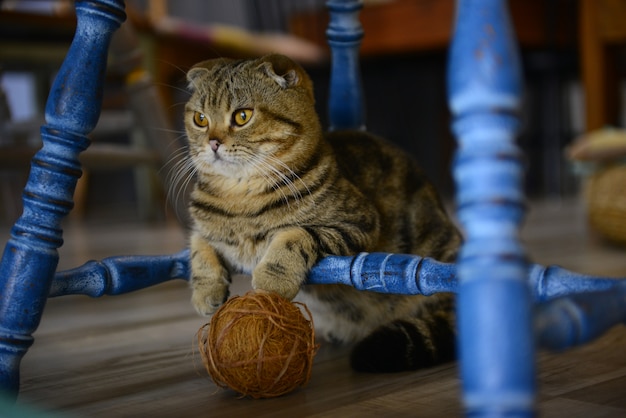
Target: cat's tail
410, 343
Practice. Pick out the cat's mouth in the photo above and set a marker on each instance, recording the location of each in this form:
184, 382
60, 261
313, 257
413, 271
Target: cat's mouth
218, 157
236, 163
216, 162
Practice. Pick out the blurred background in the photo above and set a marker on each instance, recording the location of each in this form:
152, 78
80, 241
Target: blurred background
403, 64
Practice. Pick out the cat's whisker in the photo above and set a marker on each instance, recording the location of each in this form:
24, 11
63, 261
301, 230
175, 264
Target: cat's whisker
175, 105
179, 142
181, 172
282, 177
191, 174
275, 177
178, 171
177, 67
175, 157
181, 168
174, 197
171, 64
173, 140
185, 182
260, 165
170, 86
181, 133
291, 172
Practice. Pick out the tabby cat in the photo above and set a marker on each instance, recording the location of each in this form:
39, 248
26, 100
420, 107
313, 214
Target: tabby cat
274, 194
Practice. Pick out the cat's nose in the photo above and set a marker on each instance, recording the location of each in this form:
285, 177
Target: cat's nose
215, 144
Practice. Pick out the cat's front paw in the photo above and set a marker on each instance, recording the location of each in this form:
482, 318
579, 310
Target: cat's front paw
268, 279
209, 277
207, 300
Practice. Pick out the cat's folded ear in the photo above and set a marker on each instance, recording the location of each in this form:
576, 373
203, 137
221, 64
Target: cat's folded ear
286, 72
203, 68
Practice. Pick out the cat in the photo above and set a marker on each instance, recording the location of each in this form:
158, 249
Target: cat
274, 194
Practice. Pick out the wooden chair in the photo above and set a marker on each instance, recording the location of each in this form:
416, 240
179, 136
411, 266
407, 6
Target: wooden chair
505, 306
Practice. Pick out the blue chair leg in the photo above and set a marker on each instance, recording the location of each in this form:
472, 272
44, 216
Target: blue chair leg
497, 356
30, 257
344, 33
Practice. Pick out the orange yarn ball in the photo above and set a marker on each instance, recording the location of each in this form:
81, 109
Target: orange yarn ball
260, 345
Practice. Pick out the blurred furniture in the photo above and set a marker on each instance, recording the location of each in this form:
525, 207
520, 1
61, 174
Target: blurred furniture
602, 31
37, 43
500, 320
431, 22
20, 50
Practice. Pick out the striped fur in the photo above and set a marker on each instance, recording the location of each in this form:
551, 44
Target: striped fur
274, 194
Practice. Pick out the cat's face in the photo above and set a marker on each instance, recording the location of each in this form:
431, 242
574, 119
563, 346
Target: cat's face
248, 118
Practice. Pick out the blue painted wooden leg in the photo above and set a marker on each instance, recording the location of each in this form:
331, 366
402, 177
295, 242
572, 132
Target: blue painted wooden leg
30, 256
414, 275
344, 33
570, 321
494, 304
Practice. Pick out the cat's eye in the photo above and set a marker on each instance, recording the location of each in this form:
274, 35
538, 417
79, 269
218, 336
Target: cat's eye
200, 119
242, 116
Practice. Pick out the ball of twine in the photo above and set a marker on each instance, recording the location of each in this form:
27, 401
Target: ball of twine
260, 345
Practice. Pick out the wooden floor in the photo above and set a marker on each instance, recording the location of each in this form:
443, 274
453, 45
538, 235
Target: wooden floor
133, 355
